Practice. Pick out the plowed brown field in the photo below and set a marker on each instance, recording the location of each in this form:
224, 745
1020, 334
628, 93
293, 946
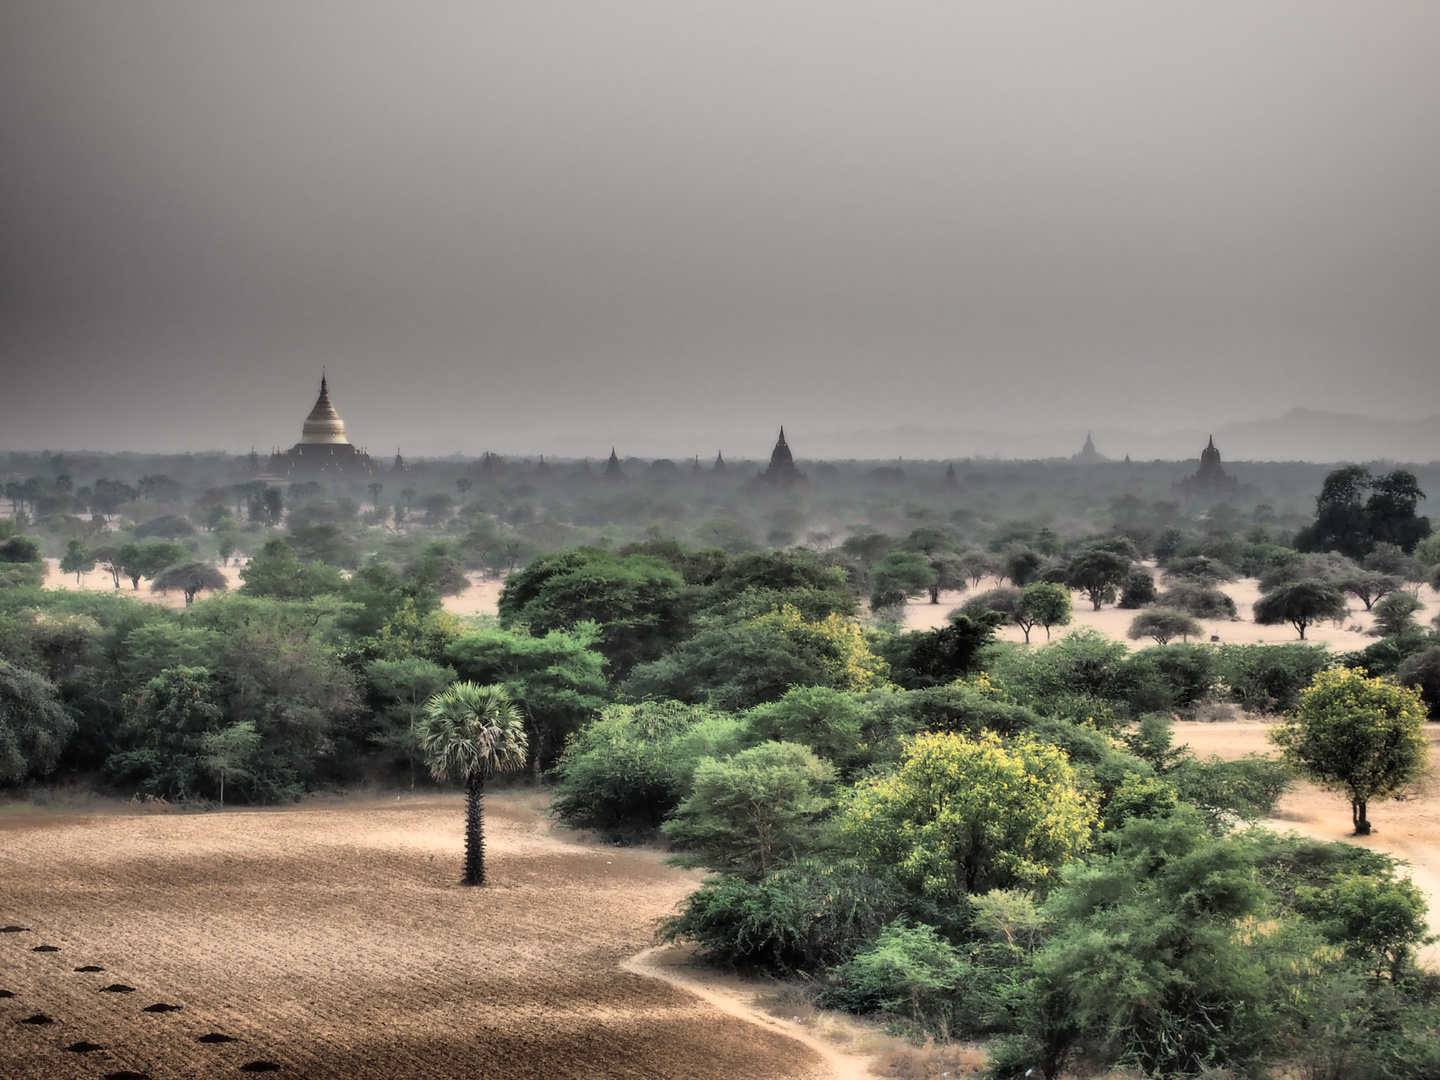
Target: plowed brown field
336, 942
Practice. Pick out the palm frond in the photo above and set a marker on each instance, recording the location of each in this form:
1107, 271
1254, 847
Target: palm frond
471, 730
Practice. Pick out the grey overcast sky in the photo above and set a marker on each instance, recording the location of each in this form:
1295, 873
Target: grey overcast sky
503, 224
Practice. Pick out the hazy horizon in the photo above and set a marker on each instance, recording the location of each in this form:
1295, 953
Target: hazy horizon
519, 228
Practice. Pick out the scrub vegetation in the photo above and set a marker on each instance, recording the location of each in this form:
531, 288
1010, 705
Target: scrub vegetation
969, 836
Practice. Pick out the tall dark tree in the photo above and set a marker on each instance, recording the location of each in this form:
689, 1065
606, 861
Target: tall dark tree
938, 657
1352, 524
470, 732
1391, 511
1098, 573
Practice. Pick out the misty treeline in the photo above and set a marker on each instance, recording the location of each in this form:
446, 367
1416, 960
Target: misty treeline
969, 836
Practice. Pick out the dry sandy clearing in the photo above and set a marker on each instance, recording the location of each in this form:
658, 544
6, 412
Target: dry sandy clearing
99, 581
1409, 829
335, 942
1115, 623
481, 598
483, 595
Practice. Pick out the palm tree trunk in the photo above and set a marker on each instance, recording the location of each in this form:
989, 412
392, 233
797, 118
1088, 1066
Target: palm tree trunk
475, 829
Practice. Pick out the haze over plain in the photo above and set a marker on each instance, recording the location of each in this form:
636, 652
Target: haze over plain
512, 227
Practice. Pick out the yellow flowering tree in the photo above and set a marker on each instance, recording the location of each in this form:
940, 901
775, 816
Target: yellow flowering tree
1359, 735
962, 815
837, 641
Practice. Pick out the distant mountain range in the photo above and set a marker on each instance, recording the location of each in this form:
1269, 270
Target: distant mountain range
1300, 435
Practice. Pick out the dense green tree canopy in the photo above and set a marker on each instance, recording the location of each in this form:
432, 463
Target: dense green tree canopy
1348, 521
899, 576
637, 601
1098, 573
276, 572
735, 666
34, 726
557, 679
754, 811
924, 658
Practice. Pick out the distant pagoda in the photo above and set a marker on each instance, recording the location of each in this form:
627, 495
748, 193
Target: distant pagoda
1088, 454
323, 446
1210, 480
613, 473
782, 475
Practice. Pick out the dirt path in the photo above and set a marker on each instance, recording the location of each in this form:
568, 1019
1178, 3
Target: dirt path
333, 941
667, 963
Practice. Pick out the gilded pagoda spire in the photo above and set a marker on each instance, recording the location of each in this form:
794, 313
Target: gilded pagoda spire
323, 425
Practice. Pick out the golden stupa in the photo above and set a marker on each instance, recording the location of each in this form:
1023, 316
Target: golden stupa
323, 446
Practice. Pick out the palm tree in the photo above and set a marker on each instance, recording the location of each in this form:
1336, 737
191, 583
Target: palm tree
469, 732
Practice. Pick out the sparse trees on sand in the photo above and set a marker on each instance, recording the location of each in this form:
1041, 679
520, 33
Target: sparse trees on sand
1300, 604
1164, 625
1042, 604
190, 578
1098, 573
1359, 735
76, 560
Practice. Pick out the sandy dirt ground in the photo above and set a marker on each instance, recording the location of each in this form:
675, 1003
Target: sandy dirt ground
481, 598
98, 580
1115, 623
335, 942
1409, 829
483, 595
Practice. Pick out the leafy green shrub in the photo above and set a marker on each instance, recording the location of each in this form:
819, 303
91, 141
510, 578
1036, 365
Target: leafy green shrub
736, 666
1199, 599
1421, 670
163, 731
830, 722
637, 601
22, 563
804, 918
924, 658
1385, 657
1226, 791
276, 572
1171, 677
1145, 959
626, 771
909, 971
754, 811
1380, 921
1395, 615
964, 709
34, 727
1269, 678
1138, 589
1083, 675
